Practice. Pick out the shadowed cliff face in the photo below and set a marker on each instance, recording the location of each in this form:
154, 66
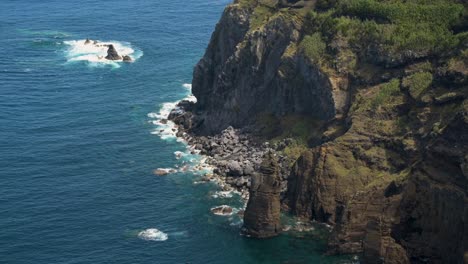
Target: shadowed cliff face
389, 167
246, 72
392, 196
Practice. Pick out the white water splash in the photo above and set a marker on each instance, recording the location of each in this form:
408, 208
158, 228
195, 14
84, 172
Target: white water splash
95, 53
153, 234
165, 128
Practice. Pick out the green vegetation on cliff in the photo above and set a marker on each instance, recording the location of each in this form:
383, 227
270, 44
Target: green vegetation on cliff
313, 46
389, 30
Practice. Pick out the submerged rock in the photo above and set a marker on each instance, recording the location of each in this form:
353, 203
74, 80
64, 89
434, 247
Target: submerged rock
112, 53
162, 172
262, 215
222, 210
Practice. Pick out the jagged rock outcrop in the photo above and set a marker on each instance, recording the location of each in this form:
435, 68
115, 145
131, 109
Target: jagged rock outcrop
112, 53
262, 215
246, 72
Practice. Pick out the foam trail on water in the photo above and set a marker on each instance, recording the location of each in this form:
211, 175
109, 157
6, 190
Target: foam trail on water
95, 54
153, 234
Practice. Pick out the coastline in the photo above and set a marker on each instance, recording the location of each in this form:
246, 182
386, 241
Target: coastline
228, 159
233, 155
213, 153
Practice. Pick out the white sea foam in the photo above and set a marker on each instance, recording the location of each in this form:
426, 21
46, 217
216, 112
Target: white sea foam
166, 129
223, 210
95, 54
223, 194
153, 234
180, 154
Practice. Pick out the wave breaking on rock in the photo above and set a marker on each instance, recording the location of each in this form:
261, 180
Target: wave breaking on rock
101, 53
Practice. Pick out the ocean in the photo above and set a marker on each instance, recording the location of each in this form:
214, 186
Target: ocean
80, 139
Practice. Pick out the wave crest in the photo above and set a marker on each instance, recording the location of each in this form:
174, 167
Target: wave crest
95, 53
153, 234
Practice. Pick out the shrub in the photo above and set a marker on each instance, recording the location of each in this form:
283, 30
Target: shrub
313, 47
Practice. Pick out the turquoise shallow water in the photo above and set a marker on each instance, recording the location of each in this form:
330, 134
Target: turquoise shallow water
76, 149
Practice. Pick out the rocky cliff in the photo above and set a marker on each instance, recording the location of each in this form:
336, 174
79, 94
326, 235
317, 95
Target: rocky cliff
248, 71
373, 94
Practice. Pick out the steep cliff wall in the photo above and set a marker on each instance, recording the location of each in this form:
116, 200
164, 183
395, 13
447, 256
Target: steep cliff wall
383, 87
253, 69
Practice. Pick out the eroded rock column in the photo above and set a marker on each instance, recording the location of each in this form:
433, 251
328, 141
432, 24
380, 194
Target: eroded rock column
262, 215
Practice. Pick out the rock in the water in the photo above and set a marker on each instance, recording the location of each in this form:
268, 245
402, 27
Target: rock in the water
162, 172
262, 215
127, 58
112, 53
87, 41
222, 210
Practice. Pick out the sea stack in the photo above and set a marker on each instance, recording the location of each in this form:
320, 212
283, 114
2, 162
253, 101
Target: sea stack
112, 53
262, 215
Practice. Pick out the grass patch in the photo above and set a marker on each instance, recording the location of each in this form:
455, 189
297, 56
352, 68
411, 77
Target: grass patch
386, 93
294, 151
260, 16
418, 27
417, 83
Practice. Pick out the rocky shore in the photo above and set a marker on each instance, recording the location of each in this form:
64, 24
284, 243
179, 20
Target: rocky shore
235, 154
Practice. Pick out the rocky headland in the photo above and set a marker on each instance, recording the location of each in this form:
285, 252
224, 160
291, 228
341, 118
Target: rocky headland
363, 105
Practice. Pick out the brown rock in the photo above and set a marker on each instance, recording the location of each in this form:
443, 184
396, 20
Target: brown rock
262, 215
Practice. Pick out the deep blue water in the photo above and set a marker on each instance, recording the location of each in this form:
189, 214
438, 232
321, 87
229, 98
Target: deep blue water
76, 149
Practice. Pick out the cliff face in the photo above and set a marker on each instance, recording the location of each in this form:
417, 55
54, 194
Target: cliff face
385, 160
248, 71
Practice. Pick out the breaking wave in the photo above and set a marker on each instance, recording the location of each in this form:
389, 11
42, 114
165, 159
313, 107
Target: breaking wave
94, 53
166, 129
153, 234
